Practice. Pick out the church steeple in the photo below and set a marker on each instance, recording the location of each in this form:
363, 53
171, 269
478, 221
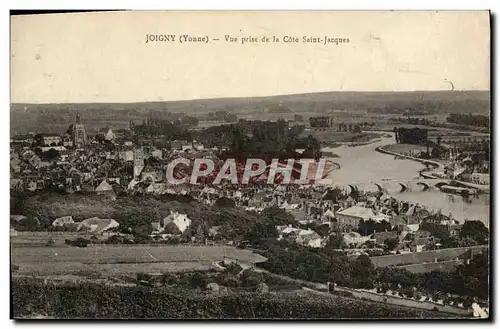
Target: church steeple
79, 134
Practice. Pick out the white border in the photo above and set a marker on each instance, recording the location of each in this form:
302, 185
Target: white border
200, 5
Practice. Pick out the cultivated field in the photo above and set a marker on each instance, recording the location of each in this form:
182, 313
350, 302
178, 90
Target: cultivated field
423, 257
122, 259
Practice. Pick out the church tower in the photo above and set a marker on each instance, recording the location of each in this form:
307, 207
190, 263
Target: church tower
138, 161
79, 134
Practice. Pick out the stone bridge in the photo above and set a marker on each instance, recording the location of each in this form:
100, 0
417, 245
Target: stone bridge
423, 184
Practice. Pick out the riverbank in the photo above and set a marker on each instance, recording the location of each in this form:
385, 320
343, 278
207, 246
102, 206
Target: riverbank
384, 149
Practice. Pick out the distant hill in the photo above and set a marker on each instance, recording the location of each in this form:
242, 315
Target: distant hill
50, 117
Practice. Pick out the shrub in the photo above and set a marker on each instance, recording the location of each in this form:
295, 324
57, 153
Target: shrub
169, 278
233, 268
143, 277
198, 280
228, 280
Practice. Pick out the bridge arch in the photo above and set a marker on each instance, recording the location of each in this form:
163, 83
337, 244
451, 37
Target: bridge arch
353, 188
380, 187
425, 185
438, 185
404, 187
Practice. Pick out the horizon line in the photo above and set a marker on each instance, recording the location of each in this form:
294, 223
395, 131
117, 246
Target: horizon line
268, 96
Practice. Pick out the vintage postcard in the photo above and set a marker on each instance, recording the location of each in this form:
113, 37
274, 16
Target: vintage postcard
250, 165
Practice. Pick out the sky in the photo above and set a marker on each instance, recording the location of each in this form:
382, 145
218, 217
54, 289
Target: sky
103, 57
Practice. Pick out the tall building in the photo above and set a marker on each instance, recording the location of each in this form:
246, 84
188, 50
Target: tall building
79, 134
138, 161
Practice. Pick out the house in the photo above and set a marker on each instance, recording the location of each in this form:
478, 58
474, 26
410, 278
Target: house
126, 155
16, 184
285, 230
17, 218
56, 148
97, 225
214, 231
356, 239
61, 221
213, 287
348, 219
132, 183
298, 214
156, 226
454, 229
180, 220
114, 180
287, 206
15, 165
22, 139
156, 188
48, 140
309, 238
483, 179
32, 185
152, 174
412, 227
176, 145
104, 187
327, 216
157, 154
109, 136
418, 244
380, 218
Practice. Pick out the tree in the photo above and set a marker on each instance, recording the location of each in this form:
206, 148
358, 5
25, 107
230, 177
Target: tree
169, 278
408, 292
233, 268
228, 280
467, 303
198, 280
476, 230
335, 242
171, 228
225, 202
363, 273
250, 278
143, 229
262, 230
278, 216
51, 154
370, 226
391, 243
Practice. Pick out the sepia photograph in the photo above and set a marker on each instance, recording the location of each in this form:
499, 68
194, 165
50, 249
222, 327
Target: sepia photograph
250, 165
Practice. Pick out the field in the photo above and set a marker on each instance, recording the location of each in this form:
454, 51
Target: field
422, 257
348, 107
121, 259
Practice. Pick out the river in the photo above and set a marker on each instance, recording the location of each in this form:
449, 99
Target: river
363, 165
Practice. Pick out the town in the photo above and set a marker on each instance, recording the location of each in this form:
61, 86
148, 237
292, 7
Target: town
104, 190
